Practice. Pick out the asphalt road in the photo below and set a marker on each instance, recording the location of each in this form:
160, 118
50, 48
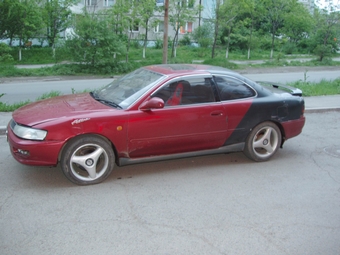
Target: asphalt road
22, 90
220, 204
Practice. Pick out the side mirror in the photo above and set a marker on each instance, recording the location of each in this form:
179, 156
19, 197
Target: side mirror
152, 103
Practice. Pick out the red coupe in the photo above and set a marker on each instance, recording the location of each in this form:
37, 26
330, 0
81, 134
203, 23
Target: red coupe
155, 113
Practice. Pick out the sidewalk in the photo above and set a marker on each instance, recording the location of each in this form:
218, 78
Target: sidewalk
317, 104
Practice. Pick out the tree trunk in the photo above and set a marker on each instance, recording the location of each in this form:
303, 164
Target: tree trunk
272, 49
128, 48
216, 28
53, 51
174, 44
228, 43
20, 49
250, 37
146, 37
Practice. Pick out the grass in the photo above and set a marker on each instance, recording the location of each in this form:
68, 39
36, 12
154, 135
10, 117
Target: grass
322, 88
11, 107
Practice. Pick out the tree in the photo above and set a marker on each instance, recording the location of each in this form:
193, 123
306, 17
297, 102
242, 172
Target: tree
297, 23
94, 41
253, 15
216, 20
327, 30
57, 17
146, 10
4, 6
229, 11
180, 14
19, 18
121, 15
274, 13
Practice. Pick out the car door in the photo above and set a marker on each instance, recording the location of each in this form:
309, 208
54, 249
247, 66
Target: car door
191, 120
236, 97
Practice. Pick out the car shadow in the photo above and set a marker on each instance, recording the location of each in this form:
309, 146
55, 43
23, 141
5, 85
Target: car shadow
52, 177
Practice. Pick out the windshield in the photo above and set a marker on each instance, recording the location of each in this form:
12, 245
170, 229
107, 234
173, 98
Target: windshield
128, 88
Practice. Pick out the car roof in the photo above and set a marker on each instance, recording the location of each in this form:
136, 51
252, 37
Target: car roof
181, 69
177, 70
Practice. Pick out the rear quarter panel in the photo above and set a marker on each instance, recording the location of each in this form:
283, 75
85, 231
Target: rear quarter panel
277, 108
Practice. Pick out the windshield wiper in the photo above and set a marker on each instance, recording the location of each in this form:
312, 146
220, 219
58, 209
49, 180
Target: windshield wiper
104, 101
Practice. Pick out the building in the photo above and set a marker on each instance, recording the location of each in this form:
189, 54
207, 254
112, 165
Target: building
156, 32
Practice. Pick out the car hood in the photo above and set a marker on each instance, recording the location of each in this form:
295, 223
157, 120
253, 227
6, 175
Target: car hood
68, 106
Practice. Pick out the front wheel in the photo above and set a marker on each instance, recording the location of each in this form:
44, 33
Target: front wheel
263, 142
87, 160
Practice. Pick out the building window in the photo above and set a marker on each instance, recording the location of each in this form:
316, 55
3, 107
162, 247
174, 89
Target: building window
186, 3
108, 2
187, 28
135, 27
159, 28
91, 2
159, 2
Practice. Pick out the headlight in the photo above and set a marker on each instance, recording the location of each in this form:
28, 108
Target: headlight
28, 133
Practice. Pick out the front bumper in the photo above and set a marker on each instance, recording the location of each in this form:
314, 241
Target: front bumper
35, 153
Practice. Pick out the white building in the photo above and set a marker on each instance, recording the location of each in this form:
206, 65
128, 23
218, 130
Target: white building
156, 32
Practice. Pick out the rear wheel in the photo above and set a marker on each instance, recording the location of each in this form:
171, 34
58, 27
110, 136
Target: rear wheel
263, 142
87, 160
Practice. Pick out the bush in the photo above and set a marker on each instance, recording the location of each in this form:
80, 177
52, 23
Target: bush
185, 41
289, 48
203, 35
323, 51
5, 53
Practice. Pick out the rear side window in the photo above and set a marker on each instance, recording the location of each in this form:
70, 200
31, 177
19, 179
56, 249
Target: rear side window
229, 88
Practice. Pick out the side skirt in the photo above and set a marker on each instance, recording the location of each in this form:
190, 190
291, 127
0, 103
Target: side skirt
225, 149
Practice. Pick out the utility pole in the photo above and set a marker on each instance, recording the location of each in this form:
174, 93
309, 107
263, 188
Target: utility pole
165, 37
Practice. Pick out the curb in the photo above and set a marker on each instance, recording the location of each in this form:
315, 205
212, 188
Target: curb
321, 110
310, 110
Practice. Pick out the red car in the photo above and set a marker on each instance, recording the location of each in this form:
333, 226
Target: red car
155, 113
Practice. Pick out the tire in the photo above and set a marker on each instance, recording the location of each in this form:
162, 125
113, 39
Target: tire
87, 160
263, 142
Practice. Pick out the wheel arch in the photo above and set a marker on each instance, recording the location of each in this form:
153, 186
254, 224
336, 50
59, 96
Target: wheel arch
282, 131
88, 134
278, 124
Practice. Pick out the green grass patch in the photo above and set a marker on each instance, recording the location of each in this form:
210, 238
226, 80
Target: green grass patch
184, 54
11, 107
40, 55
322, 88
49, 95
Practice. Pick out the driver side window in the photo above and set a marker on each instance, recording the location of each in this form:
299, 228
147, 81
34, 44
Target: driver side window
192, 90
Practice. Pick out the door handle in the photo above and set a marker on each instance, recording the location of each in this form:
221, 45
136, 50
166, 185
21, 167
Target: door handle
217, 113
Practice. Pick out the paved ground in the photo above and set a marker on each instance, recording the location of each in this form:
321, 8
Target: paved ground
212, 205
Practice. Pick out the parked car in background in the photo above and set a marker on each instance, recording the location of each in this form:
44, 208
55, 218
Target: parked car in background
156, 113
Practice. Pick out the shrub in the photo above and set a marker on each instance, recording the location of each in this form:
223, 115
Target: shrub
5, 53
